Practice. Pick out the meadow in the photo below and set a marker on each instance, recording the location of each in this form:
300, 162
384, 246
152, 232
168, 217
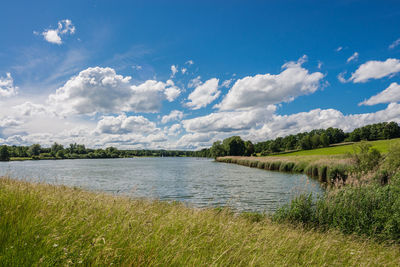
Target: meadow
57, 225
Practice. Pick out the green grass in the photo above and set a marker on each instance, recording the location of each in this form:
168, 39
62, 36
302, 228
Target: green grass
57, 225
381, 145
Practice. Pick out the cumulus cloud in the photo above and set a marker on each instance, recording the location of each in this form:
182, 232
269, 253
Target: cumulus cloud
341, 77
175, 129
394, 44
353, 57
7, 87
123, 124
229, 121
183, 70
30, 109
175, 115
174, 70
389, 95
9, 122
54, 35
375, 70
101, 90
204, 94
265, 89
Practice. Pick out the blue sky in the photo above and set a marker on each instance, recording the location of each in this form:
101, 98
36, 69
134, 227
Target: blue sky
182, 74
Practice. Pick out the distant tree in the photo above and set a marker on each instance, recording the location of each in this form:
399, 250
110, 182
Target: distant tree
391, 130
55, 148
234, 146
34, 150
217, 149
315, 141
324, 140
4, 153
305, 142
249, 148
60, 154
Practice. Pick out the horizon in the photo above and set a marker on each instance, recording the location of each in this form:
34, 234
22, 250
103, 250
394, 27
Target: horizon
179, 76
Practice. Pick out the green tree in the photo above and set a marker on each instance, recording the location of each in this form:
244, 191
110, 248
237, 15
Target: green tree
234, 146
34, 150
249, 148
305, 142
217, 149
4, 153
315, 141
324, 140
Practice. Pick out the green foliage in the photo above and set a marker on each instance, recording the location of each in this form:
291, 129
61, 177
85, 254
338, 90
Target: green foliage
366, 158
217, 149
301, 209
234, 146
34, 150
4, 154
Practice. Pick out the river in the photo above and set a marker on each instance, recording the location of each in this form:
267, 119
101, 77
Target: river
196, 181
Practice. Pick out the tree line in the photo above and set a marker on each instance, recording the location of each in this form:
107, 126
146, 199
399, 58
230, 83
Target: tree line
79, 151
232, 146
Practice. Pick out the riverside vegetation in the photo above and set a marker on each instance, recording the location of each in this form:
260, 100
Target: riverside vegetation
57, 225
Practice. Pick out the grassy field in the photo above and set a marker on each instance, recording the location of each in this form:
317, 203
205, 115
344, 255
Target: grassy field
381, 145
57, 225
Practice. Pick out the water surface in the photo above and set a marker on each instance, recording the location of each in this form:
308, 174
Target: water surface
196, 181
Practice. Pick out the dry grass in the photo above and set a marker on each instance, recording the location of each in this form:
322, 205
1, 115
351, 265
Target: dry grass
57, 225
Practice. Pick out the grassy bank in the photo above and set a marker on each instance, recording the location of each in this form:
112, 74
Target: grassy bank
325, 169
56, 225
342, 149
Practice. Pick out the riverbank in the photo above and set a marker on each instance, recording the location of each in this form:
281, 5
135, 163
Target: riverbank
324, 168
58, 225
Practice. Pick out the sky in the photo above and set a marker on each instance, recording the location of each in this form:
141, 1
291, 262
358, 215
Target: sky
183, 74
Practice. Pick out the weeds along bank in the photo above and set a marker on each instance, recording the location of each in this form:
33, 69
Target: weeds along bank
57, 225
325, 169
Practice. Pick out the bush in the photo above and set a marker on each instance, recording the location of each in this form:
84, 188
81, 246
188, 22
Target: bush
372, 210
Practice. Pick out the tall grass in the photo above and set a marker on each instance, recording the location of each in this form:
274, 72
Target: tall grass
56, 225
329, 171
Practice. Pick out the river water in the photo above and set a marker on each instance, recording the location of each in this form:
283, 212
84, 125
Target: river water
196, 181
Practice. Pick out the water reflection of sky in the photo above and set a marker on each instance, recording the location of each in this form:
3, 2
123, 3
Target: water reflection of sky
199, 182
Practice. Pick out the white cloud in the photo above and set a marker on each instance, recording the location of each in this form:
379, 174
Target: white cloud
204, 94
174, 70
175, 115
124, 125
183, 70
389, 95
175, 129
394, 44
341, 77
229, 121
375, 70
340, 48
353, 57
189, 62
171, 91
226, 83
194, 82
319, 64
265, 89
9, 122
54, 35
30, 109
101, 90
7, 87
137, 67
